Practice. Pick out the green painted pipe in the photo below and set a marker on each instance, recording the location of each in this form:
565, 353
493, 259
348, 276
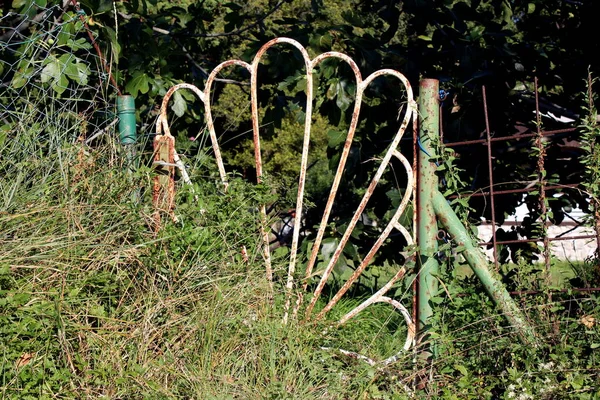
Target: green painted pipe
126, 112
479, 264
429, 118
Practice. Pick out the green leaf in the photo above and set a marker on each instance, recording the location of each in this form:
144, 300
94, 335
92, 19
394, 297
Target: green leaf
461, 369
83, 71
395, 196
595, 345
51, 71
184, 18
179, 105
335, 138
79, 44
55, 72
21, 78
139, 83
342, 99
530, 8
300, 85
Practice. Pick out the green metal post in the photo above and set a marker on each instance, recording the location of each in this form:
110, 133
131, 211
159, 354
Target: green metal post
427, 184
128, 135
479, 264
126, 111
127, 130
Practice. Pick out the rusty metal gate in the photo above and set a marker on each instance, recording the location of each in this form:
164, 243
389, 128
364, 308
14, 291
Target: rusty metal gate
166, 158
431, 209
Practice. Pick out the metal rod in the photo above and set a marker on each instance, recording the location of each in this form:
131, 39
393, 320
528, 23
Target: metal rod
427, 184
491, 176
511, 137
555, 239
520, 190
476, 259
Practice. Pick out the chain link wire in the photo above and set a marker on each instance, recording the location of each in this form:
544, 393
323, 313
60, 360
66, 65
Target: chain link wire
53, 87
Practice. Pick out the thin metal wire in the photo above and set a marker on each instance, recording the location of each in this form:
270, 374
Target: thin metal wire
491, 176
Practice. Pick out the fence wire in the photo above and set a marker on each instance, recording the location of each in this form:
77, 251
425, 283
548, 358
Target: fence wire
53, 84
546, 224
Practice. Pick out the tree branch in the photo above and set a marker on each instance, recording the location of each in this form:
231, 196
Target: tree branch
187, 54
242, 30
22, 25
203, 71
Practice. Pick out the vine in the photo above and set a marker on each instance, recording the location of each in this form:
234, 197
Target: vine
590, 143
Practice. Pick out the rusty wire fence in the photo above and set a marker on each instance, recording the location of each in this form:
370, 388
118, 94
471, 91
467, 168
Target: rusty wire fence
525, 183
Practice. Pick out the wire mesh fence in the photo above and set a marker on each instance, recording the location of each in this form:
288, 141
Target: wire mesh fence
53, 82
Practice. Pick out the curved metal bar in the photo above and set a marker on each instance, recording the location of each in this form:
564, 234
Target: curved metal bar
361, 86
393, 224
410, 336
384, 163
304, 160
340, 169
162, 125
208, 113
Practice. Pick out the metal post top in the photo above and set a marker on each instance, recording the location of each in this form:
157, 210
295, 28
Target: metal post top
429, 83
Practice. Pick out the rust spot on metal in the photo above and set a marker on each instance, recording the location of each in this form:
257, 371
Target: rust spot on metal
163, 191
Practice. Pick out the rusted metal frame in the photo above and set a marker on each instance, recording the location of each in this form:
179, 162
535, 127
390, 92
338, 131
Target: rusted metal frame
513, 191
393, 224
491, 175
427, 185
541, 177
554, 239
511, 137
162, 125
339, 172
304, 160
411, 106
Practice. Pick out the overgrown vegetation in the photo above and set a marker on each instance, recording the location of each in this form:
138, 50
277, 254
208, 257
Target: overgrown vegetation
94, 304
